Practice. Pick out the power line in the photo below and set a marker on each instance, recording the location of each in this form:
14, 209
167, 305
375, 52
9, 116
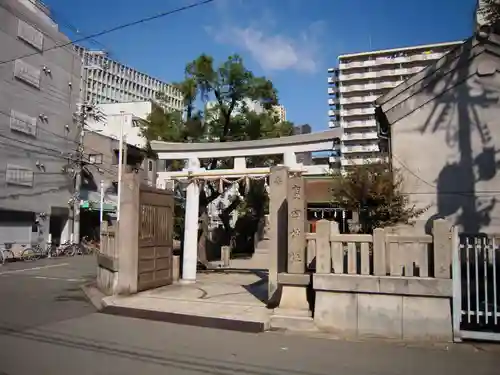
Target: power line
116, 28
58, 19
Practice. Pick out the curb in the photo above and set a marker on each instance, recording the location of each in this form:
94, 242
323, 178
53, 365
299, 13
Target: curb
94, 296
185, 319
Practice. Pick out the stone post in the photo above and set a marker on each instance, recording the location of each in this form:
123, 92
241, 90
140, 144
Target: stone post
278, 218
296, 225
380, 262
128, 234
441, 232
190, 251
323, 248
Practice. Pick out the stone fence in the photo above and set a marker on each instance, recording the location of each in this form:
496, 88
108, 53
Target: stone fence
382, 285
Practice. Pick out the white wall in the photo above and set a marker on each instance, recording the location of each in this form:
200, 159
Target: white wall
110, 126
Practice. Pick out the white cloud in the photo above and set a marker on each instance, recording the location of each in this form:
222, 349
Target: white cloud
275, 51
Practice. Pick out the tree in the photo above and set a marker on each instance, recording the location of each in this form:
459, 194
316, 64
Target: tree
375, 192
490, 10
229, 85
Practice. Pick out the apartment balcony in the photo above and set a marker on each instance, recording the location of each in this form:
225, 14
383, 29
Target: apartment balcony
333, 124
333, 90
358, 99
359, 148
391, 60
334, 159
346, 162
333, 101
359, 124
381, 73
333, 79
359, 136
369, 86
357, 112
333, 112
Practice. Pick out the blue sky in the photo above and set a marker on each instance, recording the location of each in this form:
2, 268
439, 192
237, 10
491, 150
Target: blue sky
292, 42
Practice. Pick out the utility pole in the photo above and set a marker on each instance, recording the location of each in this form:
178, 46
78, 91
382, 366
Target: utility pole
78, 178
79, 162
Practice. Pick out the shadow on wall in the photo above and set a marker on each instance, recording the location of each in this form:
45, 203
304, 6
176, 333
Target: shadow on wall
460, 112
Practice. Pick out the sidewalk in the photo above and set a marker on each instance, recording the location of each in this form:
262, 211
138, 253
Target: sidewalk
227, 300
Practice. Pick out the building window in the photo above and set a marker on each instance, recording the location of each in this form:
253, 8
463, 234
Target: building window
150, 165
23, 123
27, 73
18, 175
95, 158
30, 35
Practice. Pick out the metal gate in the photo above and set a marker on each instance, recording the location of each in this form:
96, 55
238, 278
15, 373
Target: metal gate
155, 248
476, 287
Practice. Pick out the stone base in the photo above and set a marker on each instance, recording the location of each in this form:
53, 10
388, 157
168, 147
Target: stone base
407, 318
186, 282
292, 320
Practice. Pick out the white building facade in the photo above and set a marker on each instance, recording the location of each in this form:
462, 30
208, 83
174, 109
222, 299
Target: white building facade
358, 81
130, 116
108, 81
252, 105
280, 111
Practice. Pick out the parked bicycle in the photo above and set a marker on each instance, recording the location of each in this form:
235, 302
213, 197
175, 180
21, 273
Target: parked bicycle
90, 246
50, 251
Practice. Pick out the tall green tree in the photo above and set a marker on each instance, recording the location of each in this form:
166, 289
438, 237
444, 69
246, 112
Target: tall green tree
229, 85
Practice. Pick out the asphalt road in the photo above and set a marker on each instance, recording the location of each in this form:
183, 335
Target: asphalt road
48, 328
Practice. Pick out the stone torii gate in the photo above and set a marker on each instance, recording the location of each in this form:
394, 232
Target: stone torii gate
192, 153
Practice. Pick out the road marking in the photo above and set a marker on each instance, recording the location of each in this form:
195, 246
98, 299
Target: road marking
58, 278
34, 268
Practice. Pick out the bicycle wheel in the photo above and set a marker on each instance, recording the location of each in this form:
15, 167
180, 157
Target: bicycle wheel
87, 249
70, 250
52, 251
30, 254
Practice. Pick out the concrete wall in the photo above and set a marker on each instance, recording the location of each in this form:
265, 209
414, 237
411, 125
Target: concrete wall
45, 134
445, 141
410, 309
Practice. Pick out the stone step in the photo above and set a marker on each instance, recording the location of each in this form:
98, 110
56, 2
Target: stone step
232, 316
292, 320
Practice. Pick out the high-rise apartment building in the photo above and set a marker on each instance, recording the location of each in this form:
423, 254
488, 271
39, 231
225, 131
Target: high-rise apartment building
108, 81
280, 111
359, 80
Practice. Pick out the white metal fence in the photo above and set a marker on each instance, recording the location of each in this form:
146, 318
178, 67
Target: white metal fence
476, 287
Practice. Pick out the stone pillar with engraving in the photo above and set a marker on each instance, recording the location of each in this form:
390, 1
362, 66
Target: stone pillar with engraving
296, 224
278, 217
294, 311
